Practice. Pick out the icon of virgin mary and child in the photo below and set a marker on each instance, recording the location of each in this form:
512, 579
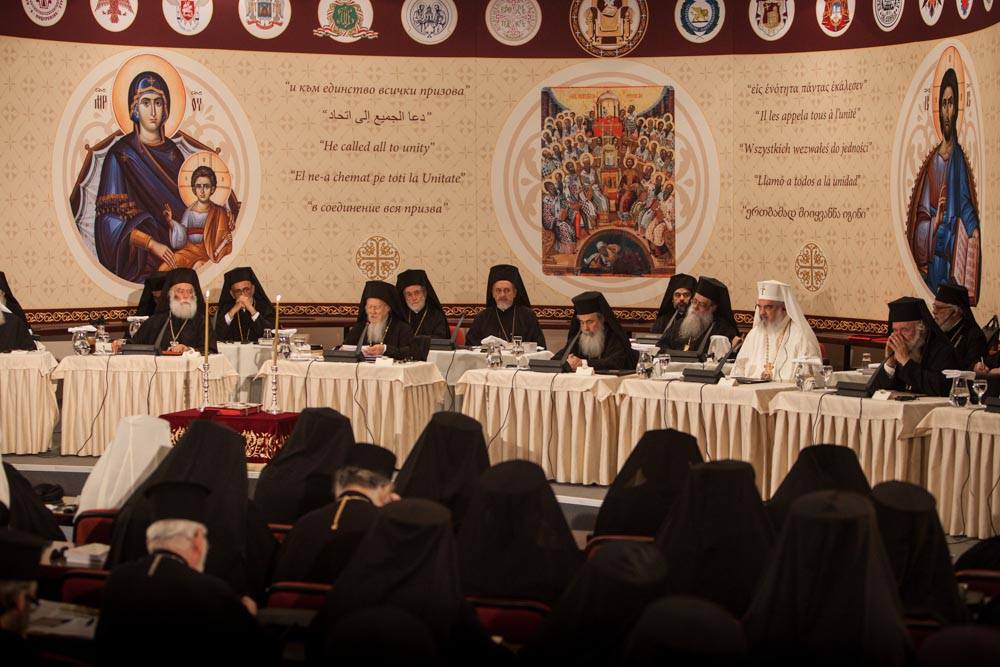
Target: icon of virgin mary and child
154, 207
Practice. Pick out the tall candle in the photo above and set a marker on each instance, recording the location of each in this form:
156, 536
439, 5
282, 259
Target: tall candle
206, 327
274, 342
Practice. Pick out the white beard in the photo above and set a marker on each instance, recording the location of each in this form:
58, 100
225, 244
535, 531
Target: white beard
694, 323
774, 328
591, 344
183, 310
420, 306
376, 331
916, 347
504, 305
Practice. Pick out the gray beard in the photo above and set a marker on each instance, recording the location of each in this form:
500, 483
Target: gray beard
591, 344
418, 308
183, 310
376, 331
695, 324
916, 348
504, 306
774, 328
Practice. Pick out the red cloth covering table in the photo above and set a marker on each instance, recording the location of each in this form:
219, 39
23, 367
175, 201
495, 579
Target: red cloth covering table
264, 433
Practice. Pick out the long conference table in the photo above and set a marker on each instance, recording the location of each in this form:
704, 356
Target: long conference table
579, 428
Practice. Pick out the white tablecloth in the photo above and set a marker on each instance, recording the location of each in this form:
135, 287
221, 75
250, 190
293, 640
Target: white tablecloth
99, 390
729, 422
882, 433
246, 359
564, 422
963, 469
28, 410
387, 405
454, 363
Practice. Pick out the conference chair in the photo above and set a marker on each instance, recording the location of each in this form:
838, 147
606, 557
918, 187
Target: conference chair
921, 628
517, 621
986, 582
93, 526
296, 595
84, 587
279, 530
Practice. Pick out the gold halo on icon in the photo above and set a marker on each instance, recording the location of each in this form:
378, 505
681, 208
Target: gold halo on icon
204, 159
148, 63
950, 59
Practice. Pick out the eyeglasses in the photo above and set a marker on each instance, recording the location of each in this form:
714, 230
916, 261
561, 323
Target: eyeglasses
236, 291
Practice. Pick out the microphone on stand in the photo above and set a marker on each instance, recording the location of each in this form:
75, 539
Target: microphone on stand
569, 347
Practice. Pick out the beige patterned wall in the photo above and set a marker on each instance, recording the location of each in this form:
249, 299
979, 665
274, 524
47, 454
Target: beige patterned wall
850, 268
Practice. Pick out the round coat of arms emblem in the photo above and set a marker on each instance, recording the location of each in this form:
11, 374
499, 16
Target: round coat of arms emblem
699, 20
114, 15
887, 13
265, 19
608, 28
771, 19
429, 21
188, 17
345, 21
513, 22
44, 12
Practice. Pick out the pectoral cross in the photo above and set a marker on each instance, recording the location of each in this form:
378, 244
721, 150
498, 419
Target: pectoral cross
768, 373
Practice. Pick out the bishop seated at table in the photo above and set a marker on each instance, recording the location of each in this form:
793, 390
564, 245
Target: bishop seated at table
179, 324
780, 335
710, 314
424, 312
244, 311
150, 604
953, 313
14, 332
323, 541
508, 310
916, 351
152, 290
596, 337
675, 301
381, 328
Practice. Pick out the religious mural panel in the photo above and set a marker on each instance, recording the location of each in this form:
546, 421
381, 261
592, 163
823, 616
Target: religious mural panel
607, 164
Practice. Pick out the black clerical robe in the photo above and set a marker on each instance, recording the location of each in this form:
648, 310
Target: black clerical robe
969, 343
27, 512
617, 354
188, 332
672, 339
428, 322
397, 339
157, 610
322, 541
505, 324
924, 376
663, 322
14, 334
243, 328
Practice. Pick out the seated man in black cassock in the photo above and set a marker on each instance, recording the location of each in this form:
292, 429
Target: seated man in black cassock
179, 324
424, 312
602, 342
244, 311
160, 608
381, 328
710, 314
152, 290
916, 351
14, 331
675, 301
322, 541
508, 310
953, 313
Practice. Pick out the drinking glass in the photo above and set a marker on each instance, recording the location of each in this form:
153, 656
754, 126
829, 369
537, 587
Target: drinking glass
827, 376
980, 387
